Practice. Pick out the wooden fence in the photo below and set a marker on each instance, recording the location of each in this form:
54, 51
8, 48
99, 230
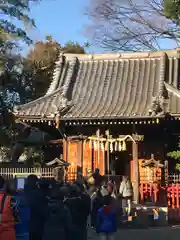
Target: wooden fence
174, 178
9, 173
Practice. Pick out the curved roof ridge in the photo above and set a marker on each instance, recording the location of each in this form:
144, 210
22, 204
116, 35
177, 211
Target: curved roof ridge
123, 55
56, 74
172, 89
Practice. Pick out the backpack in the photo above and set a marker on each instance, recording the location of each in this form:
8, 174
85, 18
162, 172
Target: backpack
107, 222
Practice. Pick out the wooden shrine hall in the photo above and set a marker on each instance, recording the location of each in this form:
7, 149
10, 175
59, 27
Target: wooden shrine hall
114, 110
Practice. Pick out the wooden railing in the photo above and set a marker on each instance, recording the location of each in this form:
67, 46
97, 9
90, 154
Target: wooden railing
9, 173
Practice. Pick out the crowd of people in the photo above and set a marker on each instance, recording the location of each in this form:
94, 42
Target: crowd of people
48, 210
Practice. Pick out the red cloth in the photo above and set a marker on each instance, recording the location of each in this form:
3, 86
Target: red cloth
7, 230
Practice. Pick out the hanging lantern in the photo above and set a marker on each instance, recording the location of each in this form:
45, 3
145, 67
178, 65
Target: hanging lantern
124, 146
119, 147
111, 147
116, 146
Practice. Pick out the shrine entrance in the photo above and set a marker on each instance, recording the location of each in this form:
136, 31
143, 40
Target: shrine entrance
120, 163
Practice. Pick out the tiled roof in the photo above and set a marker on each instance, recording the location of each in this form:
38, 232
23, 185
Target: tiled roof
110, 86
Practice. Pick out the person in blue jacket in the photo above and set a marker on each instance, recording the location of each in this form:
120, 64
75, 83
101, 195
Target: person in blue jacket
22, 228
106, 222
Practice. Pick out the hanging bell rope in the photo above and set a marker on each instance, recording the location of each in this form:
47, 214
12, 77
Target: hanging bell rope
102, 146
111, 147
119, 146
123, 146
106, 146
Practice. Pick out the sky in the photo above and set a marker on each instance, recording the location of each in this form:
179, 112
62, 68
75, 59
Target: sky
64, 21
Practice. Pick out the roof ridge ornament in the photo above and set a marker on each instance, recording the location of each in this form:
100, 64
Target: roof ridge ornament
159, 103
158, 106
56, 73
63, 103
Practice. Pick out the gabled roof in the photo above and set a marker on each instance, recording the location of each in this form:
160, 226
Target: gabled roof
103, 86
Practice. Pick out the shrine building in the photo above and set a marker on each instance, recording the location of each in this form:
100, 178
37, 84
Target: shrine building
112, 111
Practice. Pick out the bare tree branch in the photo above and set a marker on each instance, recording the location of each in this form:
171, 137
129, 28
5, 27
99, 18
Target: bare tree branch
130, 25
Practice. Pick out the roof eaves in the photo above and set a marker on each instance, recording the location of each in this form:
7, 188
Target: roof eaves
34, 118
32, 103
112, 118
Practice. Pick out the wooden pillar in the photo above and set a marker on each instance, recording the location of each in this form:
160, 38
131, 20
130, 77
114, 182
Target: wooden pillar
102, 162
136, 171
108, 160
98, 148
67, 150
80, 156
87, 156
64, 149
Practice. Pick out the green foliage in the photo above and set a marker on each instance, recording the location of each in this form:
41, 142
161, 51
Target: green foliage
39, 64
176, 155
35, 156
172, 10
26, 77
12, 12
178, 166
73, 47
15, 10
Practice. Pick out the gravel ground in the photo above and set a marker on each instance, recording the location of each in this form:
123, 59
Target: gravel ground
168, 233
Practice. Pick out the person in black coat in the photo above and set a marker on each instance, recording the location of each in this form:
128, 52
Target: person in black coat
37, 203
79, 205
59, 222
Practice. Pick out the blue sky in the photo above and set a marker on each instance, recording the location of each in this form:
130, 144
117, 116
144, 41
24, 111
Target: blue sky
65, 20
